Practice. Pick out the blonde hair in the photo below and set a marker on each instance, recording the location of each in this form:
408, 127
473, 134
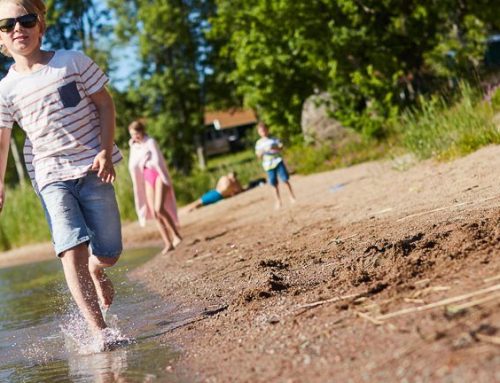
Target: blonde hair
31, 6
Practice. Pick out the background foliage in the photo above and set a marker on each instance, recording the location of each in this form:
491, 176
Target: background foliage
405, 73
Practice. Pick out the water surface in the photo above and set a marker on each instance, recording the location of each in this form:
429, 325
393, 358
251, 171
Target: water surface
38, 323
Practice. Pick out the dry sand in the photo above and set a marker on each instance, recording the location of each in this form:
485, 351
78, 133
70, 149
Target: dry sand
313, 292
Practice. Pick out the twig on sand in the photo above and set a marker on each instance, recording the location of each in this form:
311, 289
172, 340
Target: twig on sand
369, 318
458, 308
208, 255
331, 300
444, 208
413, 300
341, 240
440, 303
488, 338
491, 279
429, 289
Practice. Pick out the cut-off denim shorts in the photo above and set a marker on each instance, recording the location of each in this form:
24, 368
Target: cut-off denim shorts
83, 210
281, 171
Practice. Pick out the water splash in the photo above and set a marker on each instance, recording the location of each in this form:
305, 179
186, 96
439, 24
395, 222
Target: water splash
78, 339
37, 352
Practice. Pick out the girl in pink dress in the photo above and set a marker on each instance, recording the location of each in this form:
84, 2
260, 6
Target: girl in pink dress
153, 190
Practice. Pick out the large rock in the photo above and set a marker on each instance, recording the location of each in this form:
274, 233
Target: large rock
317, 125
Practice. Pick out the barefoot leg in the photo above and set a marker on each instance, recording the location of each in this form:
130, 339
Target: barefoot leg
75, 263
103, 285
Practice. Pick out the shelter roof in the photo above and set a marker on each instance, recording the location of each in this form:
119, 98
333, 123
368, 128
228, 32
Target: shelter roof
231, 118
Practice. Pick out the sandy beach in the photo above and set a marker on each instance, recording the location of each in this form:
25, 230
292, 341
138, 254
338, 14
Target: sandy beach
385, 271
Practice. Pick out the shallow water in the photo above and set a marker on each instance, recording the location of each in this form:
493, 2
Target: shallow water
40, 329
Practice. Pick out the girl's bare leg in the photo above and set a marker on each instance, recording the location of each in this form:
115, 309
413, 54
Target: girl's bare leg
168, 222
150, 198
75, 264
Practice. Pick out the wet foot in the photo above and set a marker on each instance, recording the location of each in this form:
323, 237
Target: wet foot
109, 339
104, 288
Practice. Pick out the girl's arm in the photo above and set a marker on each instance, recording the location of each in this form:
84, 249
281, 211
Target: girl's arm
4, 152
106, 110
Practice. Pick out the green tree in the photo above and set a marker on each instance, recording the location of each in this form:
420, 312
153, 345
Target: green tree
373, 56
169, 92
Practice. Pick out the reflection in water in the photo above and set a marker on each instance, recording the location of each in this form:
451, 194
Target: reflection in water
134, 363
103, 367
42, 334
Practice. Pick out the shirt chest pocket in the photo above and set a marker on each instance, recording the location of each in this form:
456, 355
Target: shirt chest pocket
70, 97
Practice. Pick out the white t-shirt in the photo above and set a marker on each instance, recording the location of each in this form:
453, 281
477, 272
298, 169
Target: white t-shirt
53, 107
271, 157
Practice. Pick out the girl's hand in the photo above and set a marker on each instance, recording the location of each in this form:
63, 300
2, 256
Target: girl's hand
104, 167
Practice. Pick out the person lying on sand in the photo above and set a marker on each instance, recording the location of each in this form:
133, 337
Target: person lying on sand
227, 186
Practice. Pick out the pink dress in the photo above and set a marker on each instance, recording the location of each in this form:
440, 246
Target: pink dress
147, 154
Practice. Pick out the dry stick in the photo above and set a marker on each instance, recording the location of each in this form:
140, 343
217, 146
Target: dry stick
200, 258
444, 208
488, 338
369, 318
340, 240
491, 279
430, 289
438, 303
432, 211
331, 300
412, 300
467, 305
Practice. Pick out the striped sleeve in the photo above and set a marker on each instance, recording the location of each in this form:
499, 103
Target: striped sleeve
28, 160
93, 78
6, 119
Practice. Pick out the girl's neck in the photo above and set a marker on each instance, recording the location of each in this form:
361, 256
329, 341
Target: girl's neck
33, 62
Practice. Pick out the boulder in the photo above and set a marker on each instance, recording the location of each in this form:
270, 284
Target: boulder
317, 125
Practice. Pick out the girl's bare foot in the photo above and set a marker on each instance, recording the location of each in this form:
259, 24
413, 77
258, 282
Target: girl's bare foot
104, 288
167, 249
176, 242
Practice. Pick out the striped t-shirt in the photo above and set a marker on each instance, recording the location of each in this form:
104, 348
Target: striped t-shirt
53, 107
268, 148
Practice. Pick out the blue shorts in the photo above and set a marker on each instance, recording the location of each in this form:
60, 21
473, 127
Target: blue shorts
83, 211
281, 171
211, 196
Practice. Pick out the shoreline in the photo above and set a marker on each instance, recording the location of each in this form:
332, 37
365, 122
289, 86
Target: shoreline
133, 236
336, 284
301, 294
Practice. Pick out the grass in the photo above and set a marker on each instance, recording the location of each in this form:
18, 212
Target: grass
22, 219
439, 130
307, 159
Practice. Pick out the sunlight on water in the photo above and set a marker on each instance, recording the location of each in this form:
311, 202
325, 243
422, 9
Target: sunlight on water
43, 337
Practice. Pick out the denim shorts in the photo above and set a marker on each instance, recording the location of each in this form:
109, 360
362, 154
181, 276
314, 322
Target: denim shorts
83, 210
281, 171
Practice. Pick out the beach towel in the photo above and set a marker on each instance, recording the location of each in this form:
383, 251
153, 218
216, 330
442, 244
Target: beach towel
147, 153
